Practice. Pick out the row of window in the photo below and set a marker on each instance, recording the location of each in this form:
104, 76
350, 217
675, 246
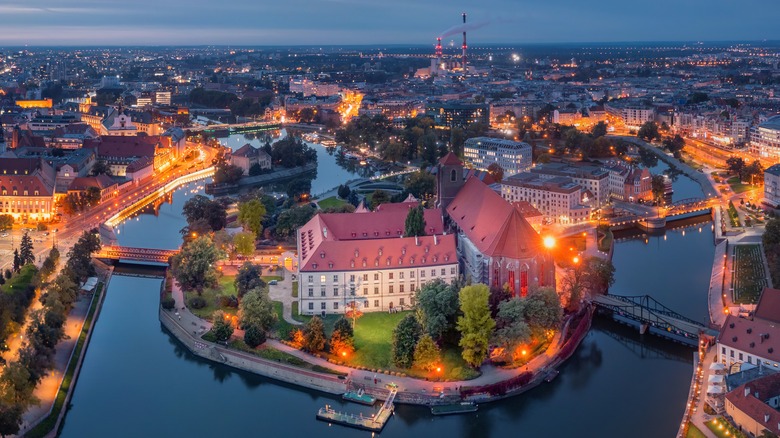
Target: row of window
16, 193
390, 275
390, 289
324, 305
740, 357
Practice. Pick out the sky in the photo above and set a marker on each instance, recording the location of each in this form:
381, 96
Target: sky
377, 22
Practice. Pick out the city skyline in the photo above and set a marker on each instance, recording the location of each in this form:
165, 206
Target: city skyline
351, 22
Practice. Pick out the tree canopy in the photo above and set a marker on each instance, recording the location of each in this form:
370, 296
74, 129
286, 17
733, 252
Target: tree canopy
193, 267
476, 324
405, 337
415, 222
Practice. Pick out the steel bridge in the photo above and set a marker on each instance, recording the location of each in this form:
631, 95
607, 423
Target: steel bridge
114, 252
644, 350
689, 205
649, 315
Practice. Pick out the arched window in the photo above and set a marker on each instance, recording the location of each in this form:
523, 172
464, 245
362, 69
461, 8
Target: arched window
453, 175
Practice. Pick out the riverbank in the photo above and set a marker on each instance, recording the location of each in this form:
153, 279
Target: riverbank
494, 383
266, 178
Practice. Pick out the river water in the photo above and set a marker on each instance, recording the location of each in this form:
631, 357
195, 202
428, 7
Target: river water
137, 380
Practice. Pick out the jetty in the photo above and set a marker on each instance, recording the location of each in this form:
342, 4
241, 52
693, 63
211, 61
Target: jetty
456, 408
359, 396
374, 423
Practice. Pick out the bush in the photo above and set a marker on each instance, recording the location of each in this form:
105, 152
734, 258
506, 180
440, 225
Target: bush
42, 227
254, 336
228, 301
8, 274
197, 302
168, 303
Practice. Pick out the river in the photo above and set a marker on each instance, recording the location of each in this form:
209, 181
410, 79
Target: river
137, 380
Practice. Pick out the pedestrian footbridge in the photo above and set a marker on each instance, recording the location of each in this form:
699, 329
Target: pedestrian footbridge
114, 252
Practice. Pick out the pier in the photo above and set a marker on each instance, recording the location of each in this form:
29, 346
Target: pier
374, 423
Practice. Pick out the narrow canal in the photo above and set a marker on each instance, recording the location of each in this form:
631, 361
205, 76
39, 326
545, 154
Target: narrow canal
137, 380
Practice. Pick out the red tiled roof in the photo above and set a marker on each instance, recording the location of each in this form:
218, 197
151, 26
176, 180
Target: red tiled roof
768, 307
495, 227
450, 160
526, 209
751, 399
127, 146
734, 333
85, 182
403, 206
376, 224
345, 255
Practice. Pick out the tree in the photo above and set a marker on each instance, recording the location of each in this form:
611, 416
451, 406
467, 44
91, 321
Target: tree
10, 418
251, 215
255, 169
437, 307
735, 165
80, 255
26, 254
379, 197
201, 208
342, 339
658, 185
15, 385
222, 329
427, 355
244, 243
599, 275
100, 168
476, 325
248, 278
6, 221
648, 131
599, 130
421, 184
675, 144
17, 264
344, 191
254, 336
292, 219
256, 309
573, 287
405, 337
415, 222
314, 335
496, 171
542, 309
698, 97
193, 266
512, 330
754, 172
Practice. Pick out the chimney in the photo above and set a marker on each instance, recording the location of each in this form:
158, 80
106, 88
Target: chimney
435, 240
416, 241
766, 418
747, 391
463, 61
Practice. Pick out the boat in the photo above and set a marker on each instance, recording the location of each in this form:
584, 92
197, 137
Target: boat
456, 408
359, 396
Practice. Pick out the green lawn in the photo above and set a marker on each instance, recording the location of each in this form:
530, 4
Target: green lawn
374, 348
20, 280
333, 201
694, 432
225, 288
605, 241
282, 357
295, 289
749, 277
45, 427
737, 186
282, 327
719, 426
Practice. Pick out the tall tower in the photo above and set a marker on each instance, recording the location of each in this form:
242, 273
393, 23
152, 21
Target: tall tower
463, 60
449, 179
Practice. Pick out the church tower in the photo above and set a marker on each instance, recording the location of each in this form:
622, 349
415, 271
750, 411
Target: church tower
449, 179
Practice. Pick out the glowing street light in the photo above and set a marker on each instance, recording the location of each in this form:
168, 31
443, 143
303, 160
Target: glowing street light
549, 242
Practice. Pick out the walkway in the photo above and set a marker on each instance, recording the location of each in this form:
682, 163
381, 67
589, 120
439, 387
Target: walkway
715, 295
282, 292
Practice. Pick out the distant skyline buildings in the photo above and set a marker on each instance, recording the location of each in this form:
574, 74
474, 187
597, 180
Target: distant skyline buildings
375, 22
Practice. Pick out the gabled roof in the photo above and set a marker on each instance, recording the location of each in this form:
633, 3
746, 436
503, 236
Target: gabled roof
768, 307
450, 160
492, 224
752, 397
85, 182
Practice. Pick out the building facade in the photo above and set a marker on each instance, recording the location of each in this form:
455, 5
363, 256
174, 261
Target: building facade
27, 189
559, 199
765, 140
514, 157
772, 186
590, 178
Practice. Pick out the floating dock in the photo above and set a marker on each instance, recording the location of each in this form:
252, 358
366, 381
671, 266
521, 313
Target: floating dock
374, 423
359, 397
457, 408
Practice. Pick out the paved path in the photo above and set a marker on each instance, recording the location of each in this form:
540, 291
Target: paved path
282, 291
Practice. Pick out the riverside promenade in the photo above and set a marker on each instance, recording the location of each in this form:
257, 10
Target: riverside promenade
188, 328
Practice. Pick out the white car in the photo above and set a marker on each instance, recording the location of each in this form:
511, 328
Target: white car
5, 234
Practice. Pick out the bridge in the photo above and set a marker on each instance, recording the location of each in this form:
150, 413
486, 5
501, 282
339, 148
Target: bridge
114, 252
235, 127
649, 315
645, 350
689, 205
657, 217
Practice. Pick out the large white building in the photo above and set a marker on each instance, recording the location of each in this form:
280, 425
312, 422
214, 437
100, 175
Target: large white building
765, 139
559, 199
632, 116
514, 157
772, 185
361, 259
591, 178
749, 342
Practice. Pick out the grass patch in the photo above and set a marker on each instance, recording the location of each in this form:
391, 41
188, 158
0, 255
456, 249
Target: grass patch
295, 289
275, 355
694, 432
47, 425
719, 426
374, 349
605, 240
333, 201
737, 186
225, 288
20, 281
282, 327
734, 216
295, 310
749, 276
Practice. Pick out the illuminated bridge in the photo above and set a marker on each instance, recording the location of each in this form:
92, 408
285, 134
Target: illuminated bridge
236, 128
114, 252
651, 316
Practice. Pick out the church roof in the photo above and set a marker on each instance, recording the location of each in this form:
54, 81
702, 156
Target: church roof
492, 224
450, 160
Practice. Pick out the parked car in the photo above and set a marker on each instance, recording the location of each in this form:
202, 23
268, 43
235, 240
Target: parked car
5, 234
274, 282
